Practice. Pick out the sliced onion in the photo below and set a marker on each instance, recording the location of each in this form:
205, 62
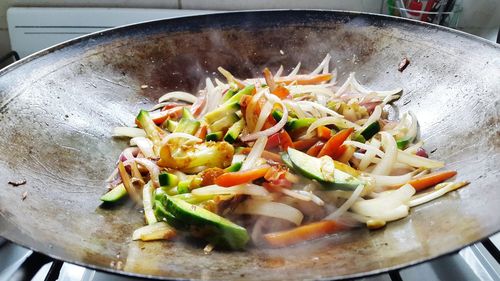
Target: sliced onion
323, 65
313, 89
129, 153
365, 146
278, 73
162, 104
157, 231
254, 154
347, 204
390, 155
414, 148
154, 170
397, 213
249, 116
375, 116
178, 95
442, 189
368, 155
212, 97
418, 161
413, 128
270, 209
295, 108
147, 201
388, 99
357, 86
295, 70
247, 189
238, 158
387, 181
189, 137
319, 107
128, 132
346, 86
311, 196
264, 114
386, 201
273, 129
145, 145
332, 120
396, 166
293, 193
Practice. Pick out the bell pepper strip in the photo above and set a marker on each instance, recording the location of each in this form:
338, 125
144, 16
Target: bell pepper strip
285, 140
273, 141
268, 76
265, 154
342, 149
241, 177
302, 233
315, 149
324, 133
304, 144
431, 179
305, 79
346, 156
281, 92
333, 144
202, 132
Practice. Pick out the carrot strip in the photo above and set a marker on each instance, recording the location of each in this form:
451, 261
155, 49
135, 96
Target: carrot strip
324, 133
285, 140
302, 233
304, 144
241, 177
315, 149
333, 144
431, 179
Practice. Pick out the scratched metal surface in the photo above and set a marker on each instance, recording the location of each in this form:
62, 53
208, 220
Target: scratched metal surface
58, 108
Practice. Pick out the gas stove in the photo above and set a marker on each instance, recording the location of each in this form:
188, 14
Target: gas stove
480, 261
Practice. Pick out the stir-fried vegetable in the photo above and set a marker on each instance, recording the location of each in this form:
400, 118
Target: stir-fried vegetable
297, 154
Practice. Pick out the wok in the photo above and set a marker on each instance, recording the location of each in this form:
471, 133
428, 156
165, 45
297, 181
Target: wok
58, 108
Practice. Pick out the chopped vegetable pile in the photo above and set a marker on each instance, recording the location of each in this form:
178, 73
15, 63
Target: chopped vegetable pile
274, 161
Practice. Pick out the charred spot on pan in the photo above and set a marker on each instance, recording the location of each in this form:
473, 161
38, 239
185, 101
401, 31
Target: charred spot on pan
17, 182
403, 64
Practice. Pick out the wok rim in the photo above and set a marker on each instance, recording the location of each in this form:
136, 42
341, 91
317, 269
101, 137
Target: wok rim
114, 30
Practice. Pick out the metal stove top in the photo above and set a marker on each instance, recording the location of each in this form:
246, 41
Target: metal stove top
480, 261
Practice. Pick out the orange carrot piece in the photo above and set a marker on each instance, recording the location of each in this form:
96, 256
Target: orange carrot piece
304, 144
241, 177
324, 133
431, 179
302, 233
333, 144
202, 132
315, 149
